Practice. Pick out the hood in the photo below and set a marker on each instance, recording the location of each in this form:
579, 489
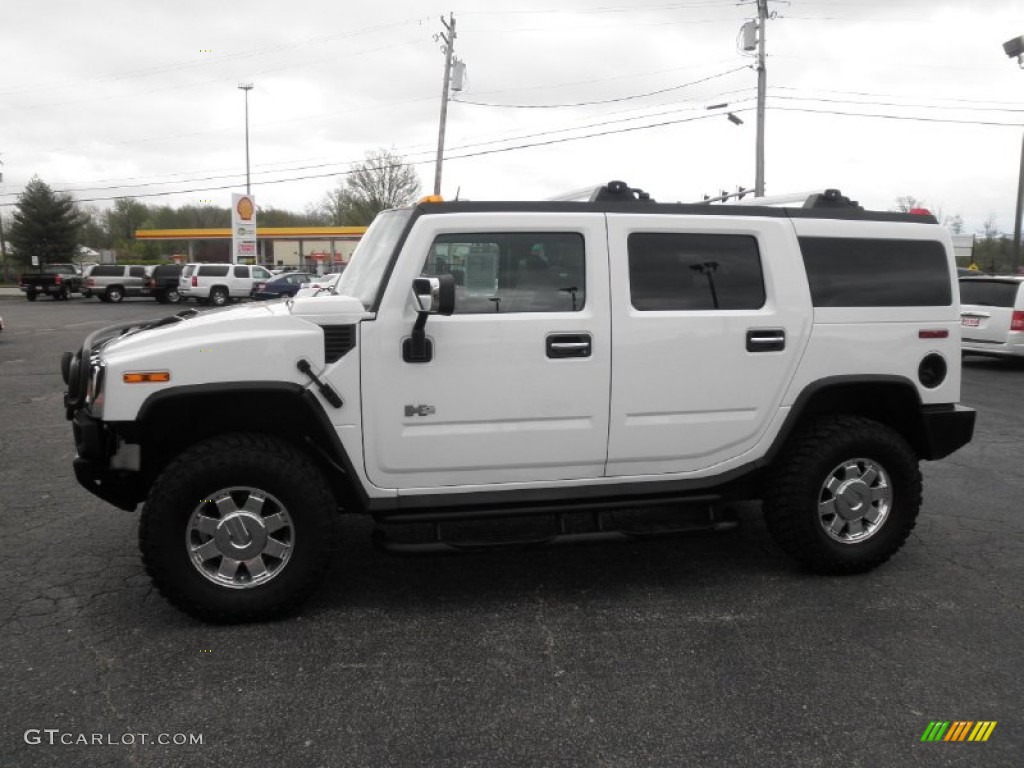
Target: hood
247, 319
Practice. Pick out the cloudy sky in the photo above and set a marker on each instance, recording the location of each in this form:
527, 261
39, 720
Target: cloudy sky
880, 98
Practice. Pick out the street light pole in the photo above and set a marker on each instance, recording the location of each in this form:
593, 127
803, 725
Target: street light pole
1015, 49
1020, 211
246, 87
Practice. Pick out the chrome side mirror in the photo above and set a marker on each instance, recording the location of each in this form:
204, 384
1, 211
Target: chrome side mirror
434, 295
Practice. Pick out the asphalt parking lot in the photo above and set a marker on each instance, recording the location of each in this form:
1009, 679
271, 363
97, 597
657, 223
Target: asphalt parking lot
686, 651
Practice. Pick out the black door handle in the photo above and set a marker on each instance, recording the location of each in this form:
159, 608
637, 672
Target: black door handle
772, 340
568, 345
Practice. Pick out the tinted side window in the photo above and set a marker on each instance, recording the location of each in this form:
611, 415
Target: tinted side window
136, 271
988, 293
167, 271
512, 272
214, 270
241, 271
682, 271
106, 270
856, 272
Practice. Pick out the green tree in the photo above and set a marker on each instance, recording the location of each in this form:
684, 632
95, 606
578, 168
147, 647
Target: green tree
94, 231
383, 180
124, 218
993, 252
46, 224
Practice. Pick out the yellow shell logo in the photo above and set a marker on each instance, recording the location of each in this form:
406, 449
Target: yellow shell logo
245, 208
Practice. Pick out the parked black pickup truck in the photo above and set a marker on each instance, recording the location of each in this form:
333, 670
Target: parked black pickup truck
57, 280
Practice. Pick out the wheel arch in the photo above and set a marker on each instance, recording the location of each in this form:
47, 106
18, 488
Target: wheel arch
172, 420
890, 400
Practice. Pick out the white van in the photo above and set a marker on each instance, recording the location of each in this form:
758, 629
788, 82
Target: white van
992, 315
218, 284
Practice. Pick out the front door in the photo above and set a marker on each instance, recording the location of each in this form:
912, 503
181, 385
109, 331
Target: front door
517, 387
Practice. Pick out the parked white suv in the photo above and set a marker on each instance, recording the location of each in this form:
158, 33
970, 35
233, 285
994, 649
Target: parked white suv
992, 315
217, 284
482, 362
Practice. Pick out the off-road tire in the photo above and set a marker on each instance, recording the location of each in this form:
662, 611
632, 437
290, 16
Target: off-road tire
269, 465
797, 485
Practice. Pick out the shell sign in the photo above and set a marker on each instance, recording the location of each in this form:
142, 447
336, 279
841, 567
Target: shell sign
243, 228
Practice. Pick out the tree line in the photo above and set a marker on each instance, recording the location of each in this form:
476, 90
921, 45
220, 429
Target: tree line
51, 226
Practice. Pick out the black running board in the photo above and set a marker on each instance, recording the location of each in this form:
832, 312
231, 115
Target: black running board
438, 537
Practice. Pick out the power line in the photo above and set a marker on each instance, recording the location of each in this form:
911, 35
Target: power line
895, 117
897, 96
464, 156
599, 10
604, 101
898, 104
256, 52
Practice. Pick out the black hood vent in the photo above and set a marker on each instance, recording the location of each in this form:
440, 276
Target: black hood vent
338, 339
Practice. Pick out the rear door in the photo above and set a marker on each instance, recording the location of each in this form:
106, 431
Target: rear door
185, 278
136, 283
710, 319
240, 281
987, 308
516, 390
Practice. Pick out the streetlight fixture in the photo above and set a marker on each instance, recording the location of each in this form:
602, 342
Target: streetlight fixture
732, 117
246, 87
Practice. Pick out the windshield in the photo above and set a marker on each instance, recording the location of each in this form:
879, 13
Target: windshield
362, 277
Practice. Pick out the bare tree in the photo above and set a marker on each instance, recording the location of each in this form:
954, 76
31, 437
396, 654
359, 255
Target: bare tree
383, 180
904, 203
954, 224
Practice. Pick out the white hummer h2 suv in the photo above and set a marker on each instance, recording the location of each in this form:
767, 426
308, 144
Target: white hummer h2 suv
566, 362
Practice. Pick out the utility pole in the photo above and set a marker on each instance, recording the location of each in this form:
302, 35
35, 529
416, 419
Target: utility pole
449, 50
762, 77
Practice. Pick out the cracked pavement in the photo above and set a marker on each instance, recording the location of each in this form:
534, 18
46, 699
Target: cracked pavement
704, 650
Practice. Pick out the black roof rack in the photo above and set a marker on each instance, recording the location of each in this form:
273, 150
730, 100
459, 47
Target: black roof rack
619, 191
831, 198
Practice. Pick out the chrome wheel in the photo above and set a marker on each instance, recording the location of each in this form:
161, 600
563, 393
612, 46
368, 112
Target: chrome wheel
240, 537
854, 501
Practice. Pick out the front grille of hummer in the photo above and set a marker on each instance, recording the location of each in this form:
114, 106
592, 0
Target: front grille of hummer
338, 340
